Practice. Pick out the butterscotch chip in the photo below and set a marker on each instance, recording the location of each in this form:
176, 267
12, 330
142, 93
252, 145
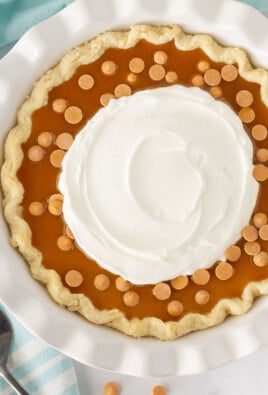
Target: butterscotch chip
175, 308
262, 155
261, 259
102, 282
36, 153
203, 66
160, 57
216, 91
122, 285
201, 277
233, 253
259, 132
247, 115
122, 90
171, 77
157, 72
86, 81
64, 141
244, 98
263, 232
45, 139
250, 233
132, 78
162, 291
252, 248
73, 278
131, 298
111, 388
36, 208
179, 282
73, 115
202, 297
224, 271
105, 99
260, 173
229, 72
55, 196
109, 67
59, 105
69, 233
198, 80
55, 207
56, 157
159, 390
136, 65
64, 243
260, 219
212, 77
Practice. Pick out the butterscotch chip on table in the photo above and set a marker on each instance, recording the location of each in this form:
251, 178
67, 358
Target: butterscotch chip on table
247, 115
260, 173
102, 282
86, 81
201, 277
175, 308
259, 132
171, 77
122, 285
64, 243
111, 388
131, 298
250, 233
36, 153
162, 291
160, 57
55, 207
45, 139
203, 66
179, 282
229, 72
55, 196
136, 65
233, 253
69, 233
157, 72
202, 297
64, 140
56, 157
159, 390
198, 80
36, 209
261, 259
73, 115
216, 91
252, 248
105, 99
224, 271
109, 67
262, 154
122, 90
59, 105
212, 77
74, 278
263, 232
244, 98
132, 78
260, 219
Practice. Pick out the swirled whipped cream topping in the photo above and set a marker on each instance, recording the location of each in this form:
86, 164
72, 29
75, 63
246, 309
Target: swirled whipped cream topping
159, 184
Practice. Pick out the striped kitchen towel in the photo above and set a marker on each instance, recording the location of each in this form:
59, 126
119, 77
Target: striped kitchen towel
40, 369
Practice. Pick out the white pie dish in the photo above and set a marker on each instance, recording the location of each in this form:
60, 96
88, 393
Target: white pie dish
37, 51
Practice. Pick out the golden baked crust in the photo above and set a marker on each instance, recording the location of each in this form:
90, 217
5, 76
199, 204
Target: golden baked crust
13, 190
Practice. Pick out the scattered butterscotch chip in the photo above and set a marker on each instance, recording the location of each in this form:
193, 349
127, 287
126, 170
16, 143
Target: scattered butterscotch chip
59, 105
136, 65
244, 98
247, 115
109, 67
157, 72
36, 153
262, 154
102, 282
122, 285
212, 77
86, 81
64, 243
263, 232
202, 297
159, 390
111, 388
216, 91
45, 139
229, 72
175, 308
201, 277
252, 248
171, 77
55, 207
73, 278
198, 80
132, 78
259, 132
203, 66
122, 90
162, 291
56, 157
64, 140
250, 233
69, 233
55, 196
260, 173
261, 259
73, 115
131, 298
105, 99
160, 57
233, 253
224, 271
260, 219
36, 208
179, 282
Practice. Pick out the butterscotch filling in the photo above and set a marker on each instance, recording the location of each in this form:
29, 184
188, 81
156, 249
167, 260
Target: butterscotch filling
120, 73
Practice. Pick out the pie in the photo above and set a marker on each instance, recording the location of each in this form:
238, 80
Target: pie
135, 181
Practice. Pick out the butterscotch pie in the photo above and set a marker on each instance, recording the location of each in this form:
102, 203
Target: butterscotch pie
136, 181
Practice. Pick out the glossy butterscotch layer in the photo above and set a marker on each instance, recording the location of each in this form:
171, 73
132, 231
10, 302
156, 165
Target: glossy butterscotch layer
39, 179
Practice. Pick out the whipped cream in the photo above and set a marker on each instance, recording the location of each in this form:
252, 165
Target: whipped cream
159, 184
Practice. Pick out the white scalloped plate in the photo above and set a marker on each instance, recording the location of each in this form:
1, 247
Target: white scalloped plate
231, 23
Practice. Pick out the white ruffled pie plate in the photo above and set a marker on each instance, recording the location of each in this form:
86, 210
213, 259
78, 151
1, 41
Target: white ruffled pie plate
231, 23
